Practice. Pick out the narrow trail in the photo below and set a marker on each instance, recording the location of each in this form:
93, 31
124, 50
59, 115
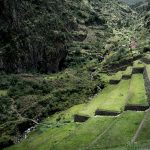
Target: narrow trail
140, 127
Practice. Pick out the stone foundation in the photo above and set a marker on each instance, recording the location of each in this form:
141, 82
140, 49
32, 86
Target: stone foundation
114, 81
136, 107
126, 77
106, 113
80, 118
137, 70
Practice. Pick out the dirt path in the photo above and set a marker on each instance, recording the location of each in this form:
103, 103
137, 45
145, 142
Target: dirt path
140, 127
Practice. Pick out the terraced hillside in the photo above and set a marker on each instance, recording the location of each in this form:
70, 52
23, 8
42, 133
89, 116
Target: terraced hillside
94, 93
116, 118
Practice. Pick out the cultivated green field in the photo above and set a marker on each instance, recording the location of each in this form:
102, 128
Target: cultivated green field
98, 100
112, 98
120, 133
144, 135
137, 92
115, 99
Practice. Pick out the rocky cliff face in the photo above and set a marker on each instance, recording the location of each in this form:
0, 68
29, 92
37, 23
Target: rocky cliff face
33, 35
36, 35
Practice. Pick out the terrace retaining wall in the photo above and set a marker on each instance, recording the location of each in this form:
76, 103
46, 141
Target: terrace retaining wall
122, 65
80, 118
136, 107
114, 81
146, 60
137, 70
147, 84
106, 113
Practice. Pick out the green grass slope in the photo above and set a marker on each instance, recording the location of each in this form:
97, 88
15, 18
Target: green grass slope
112, 98
115, 99
144, 135
121, 133
71, 136
137, 92
94, 134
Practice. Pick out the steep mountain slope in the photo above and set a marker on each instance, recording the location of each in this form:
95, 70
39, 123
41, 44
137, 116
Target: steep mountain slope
39, 39
36, 35
90, 39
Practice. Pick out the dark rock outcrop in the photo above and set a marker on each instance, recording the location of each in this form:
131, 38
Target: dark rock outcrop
80, 118
24, 125
106, 113
30, 39
113, 81
137, 70
136, 107
126, 77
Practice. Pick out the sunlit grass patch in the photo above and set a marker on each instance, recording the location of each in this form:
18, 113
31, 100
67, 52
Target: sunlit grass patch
137, 92
121, 132
3, 92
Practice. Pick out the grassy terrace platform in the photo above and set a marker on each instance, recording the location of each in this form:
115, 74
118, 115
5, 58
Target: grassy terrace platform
137, 92
120, 133
90, 108
64, 116
115, 99
144, 135
121, 74
112, 98
128, 71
